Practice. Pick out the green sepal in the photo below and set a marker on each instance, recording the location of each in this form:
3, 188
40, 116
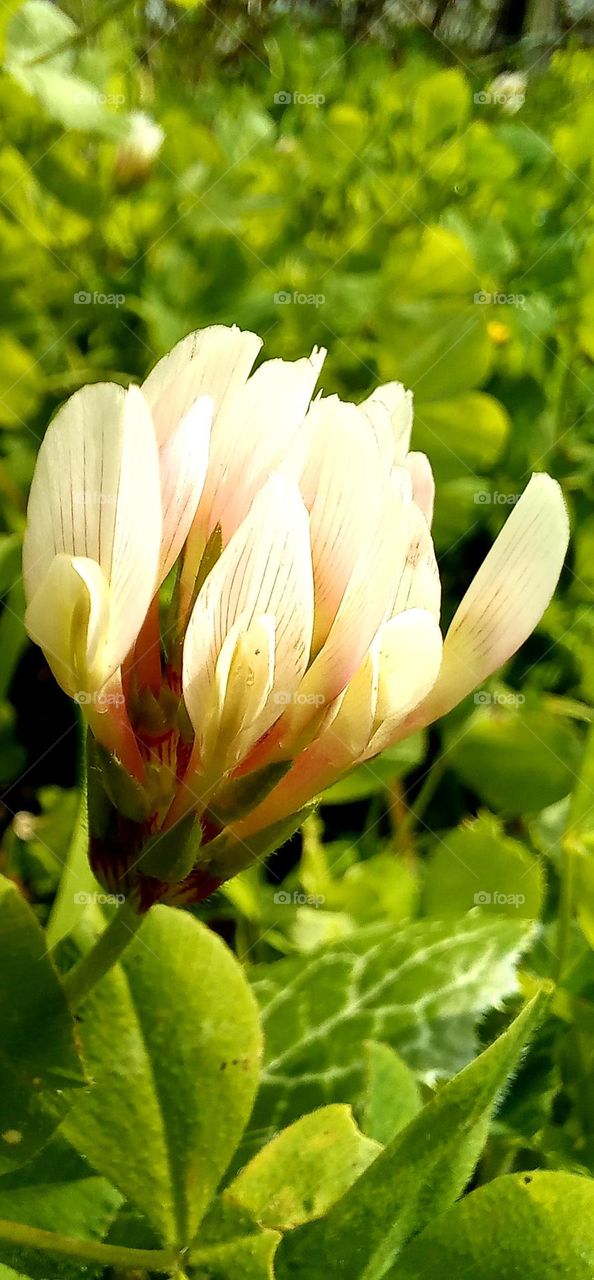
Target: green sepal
171, 855
125, 794
239, 796
227, 855
210, 555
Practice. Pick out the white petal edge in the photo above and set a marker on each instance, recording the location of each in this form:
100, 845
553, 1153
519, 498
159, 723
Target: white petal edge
96, 495
183, 460
506, 599
264, 570
213, 361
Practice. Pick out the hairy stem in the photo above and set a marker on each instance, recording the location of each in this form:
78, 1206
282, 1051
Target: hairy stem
105, 952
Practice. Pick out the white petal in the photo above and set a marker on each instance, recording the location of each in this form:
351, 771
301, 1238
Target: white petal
183, 460
213, 362
398, 402
264, 570
410, 650
419, 467
96, 494
252, 435
72, 633
507, 597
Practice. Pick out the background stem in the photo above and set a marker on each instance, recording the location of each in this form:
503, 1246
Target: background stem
18, 1233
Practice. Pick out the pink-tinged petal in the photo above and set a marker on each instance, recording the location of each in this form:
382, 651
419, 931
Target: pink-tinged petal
423, 483
96, 497
397, 402
183, 460
364, 607
264, 571
211, 362
343, 473
252, 435
507, 598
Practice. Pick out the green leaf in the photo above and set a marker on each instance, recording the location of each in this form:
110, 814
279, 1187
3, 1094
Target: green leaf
539, 1226
173, 1046
56, 1191
39, 1061
441, 429
418, 1175
518, 761
392, 1096
233, 1247
39, 30
443, 105
421, 989
478, 865
304, 1170
77, 882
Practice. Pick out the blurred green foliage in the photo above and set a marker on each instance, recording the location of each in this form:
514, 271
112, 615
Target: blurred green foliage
376, 198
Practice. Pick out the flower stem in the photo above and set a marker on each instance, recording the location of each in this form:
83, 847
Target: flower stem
105, 952
18, 1233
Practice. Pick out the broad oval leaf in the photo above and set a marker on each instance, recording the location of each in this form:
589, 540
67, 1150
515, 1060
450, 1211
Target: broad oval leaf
173, 1044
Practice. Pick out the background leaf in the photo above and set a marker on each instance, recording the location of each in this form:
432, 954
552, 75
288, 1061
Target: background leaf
39, 1060
538, 1225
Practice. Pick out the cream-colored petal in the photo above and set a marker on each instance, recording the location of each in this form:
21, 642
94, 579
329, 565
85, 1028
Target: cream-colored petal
68, 617
410, 651
398, 402
416, 583
244, 678
252, 436
96, 494
507, 597
183, 460
264, 570
346, 737
212, 362
423, 483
